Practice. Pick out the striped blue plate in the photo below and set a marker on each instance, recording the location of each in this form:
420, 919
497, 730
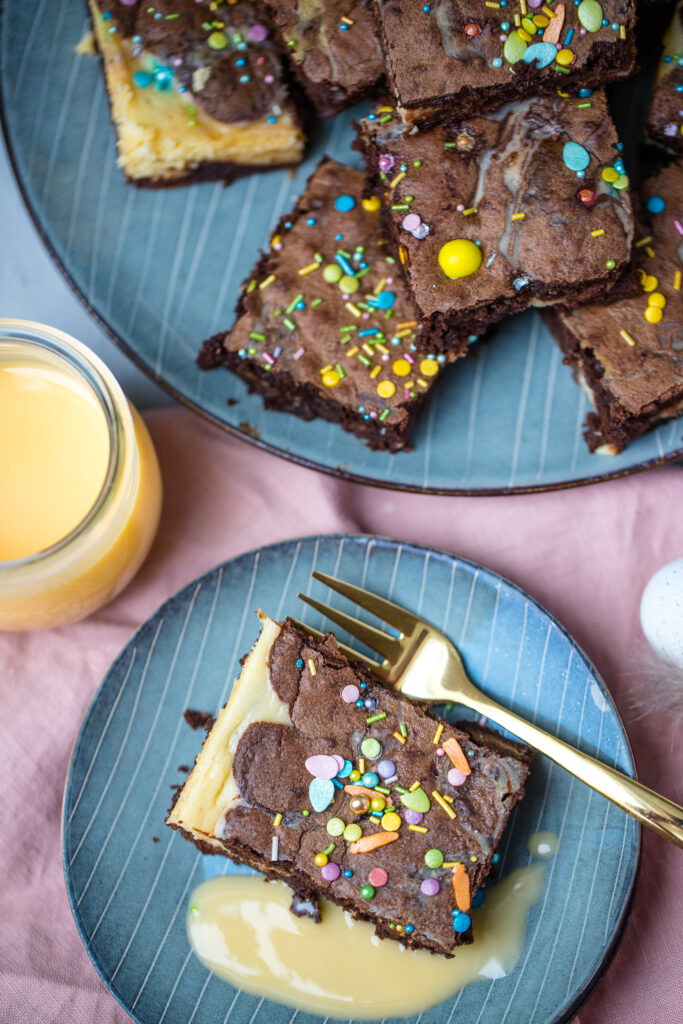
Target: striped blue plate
161, 271
129, 877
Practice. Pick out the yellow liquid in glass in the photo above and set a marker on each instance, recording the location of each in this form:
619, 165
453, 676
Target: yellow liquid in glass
54, 453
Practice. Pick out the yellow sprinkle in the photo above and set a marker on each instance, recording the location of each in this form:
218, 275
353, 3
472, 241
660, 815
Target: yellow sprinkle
267, 280
627, 338
518, 216
422, 383
522, 6
361, 765
353, 351
311, 667
401, 739
367, 349
622, 32
379, 287
347, 21
326, 368
598, 232
548, 11
437, 734
375, 371
399, 177
275, 239
469, 211
386, 389
352, 308
418, 828
406, 323
276, 820
309, 269
382, 348
448, 798
442, 803
415, 785
473, 858
449, 864
403, 334
677, 281
526, 36
403, 254
492, 3
650, 251
643, 241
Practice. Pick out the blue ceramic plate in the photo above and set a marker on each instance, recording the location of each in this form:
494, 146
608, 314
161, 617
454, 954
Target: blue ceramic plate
161, 271
129, 877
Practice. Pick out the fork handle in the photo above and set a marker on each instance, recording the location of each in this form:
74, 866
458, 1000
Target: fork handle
649, 808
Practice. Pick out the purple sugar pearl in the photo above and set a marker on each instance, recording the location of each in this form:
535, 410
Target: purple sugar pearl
331, 872
257, 34
413, 817
430, 887
386, 769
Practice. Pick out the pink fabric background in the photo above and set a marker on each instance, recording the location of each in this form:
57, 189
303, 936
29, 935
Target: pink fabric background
585, 554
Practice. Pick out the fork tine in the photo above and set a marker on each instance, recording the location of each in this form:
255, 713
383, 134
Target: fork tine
347, 651
374, 638
392, 613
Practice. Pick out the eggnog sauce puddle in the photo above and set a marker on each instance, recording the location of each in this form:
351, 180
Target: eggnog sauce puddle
242, 929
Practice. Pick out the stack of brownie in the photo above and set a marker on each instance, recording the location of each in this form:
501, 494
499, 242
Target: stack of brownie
494, 182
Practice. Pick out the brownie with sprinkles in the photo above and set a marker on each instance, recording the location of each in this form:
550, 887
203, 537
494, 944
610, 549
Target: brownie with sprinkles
325, 325
665, 119
333, 46
629, 355
454, 58
317, 775
197, 90
524, 206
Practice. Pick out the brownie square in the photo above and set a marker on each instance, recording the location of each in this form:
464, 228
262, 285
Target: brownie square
534, 194
629, 355
333, 46
325, 325
196, 91
665, 119
316, 774
455, 58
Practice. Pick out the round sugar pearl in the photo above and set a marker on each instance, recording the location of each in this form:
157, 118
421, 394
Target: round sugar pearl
386, 769
456, 777
413, 817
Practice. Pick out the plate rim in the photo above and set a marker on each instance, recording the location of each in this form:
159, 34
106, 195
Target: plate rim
300, 460
425, 549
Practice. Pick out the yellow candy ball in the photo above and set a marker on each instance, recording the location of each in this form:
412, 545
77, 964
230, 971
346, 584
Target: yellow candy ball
657, 299
331, 378
371, 204
653, 314
378, 803
564, 57
320, 860
391, 822
609, 173
459, 258
354, 776
649, 283
429, 367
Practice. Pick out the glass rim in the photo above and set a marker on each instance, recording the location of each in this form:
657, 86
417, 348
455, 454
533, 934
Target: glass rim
112, 402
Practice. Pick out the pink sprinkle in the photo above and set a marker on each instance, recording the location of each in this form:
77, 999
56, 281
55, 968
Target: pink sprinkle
456, 777
365, 316
460, 207
390, 280
331, 872
582, 32
378, 877
373, 415
535, 3
277, 246
679, 227
386, 162
439, 751
257, 33
430, 887
411, 221
385, 357
129, 3
267, 358
350, 694
268, 79
298, 354
408, 357
260, 60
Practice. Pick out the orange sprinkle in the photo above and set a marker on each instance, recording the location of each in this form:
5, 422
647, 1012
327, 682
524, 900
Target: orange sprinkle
353, 790
401, 739
454, 751
461, 888
373, 842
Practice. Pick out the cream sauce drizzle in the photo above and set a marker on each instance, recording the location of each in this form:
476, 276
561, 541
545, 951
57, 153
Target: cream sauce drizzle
243, 931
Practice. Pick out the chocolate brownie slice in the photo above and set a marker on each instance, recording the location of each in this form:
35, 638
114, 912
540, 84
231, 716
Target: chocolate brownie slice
524, 206
455, 58
325, 326
333, 46
629, 355
196, 90
317, 775
665, 119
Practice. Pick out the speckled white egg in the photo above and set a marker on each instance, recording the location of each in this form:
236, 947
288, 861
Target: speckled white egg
661, 612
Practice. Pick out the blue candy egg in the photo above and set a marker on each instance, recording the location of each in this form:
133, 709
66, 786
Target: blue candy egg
542, 53
321, 794
576, 158
344, 203
461, 922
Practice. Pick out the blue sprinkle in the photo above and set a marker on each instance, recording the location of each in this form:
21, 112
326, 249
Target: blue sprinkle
344, 28
348, 873
615, 26
106, 16
503, 3
288, 224
368, 332
337, 784
245, 78
366, 416
299, 662
585, 93
143, 79
338, 238
310, 221
371, 117
470, 337
605, 22
505, 26
655, 204
569, 36
300, 305
363, 686
409, 929
359, 703
137, 39
679, 88
442, 358
240, 62
620, 146
461, 922
495, 859
426, 8
667, 59
344, 203
497, 62
346, 267
542, 53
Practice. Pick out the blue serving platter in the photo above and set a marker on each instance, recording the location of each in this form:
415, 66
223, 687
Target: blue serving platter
161, 271
129, 877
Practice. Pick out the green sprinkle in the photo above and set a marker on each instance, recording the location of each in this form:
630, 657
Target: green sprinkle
305, 812
402, 729
340, 370
316, 302
449, 145
383, 120
400, 789
382, 789
382, 714
368, 362
390, 259
251, 286
383, 415
565, 71
194, 909
318, 257
401, 206
292, 306
257, 337
348, 329
288, 322
329, 849
417, 163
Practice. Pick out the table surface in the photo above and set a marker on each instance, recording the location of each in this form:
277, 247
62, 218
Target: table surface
32, 288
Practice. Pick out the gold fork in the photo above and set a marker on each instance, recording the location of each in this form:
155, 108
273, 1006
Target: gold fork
423, 664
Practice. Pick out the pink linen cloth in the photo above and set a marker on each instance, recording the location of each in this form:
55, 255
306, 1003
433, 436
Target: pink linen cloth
586, 554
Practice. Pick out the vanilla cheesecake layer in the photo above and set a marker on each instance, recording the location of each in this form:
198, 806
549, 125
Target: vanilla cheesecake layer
211, 790
164, 135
